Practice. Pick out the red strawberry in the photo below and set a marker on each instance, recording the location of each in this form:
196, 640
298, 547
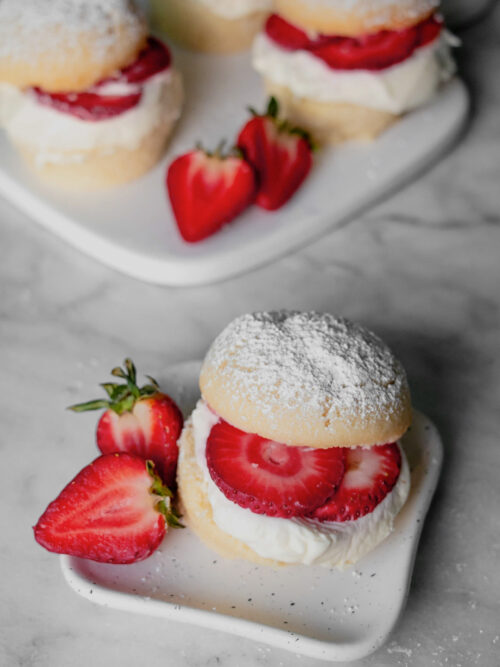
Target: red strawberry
113, 511
280, 154
91, 105
429, 30
374, 51
286, 34
370, 474
268, 477
88, 106
208, 190
140, 421
153, 59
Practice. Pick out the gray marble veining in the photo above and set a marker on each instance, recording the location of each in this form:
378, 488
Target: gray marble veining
422, 269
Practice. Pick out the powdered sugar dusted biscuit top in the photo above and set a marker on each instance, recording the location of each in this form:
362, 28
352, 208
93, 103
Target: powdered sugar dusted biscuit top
66, 45
354, 17
306, 379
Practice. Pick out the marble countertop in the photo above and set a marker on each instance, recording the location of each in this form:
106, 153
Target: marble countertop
422, 269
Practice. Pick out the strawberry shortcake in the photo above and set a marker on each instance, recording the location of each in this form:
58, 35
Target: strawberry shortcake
348, 69
214, 26
292, 454
86, 95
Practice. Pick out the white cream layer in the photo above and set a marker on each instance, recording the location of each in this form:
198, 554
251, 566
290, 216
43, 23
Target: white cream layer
395, 89
57, 137
9, 102
236, 9
332, 544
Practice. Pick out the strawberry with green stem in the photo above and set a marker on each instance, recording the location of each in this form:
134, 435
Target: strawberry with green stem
280, 153
208, 190
116, 510
138, 420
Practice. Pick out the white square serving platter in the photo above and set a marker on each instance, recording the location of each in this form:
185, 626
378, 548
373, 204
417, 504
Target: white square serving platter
314, 611
131, 228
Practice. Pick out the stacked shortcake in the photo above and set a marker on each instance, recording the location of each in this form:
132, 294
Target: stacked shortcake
292, 455
87, 97
347, 69
213, 26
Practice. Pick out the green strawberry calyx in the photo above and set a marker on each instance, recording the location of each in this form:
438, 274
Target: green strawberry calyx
283, 125
165, 495
121, 396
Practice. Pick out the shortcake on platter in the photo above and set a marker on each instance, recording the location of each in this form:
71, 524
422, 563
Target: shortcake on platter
213, 26
86, 95
348, 69
292, 454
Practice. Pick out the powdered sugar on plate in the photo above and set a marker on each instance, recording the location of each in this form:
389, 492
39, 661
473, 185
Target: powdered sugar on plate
24, 25
308, 361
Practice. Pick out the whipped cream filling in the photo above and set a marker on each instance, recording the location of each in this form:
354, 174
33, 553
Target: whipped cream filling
395, 89
235, 9
9, 102
58, 137
332, 544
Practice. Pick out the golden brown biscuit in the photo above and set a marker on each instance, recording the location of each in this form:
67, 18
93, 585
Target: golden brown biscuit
67, 45
99, 169
306, 379
331, 122
193, 25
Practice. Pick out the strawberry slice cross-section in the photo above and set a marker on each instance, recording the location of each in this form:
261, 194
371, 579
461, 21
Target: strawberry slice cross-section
280, 153
370, 474
114, 511
208, 190
269, 477
375, 51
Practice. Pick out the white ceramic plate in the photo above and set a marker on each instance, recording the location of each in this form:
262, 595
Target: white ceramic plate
131, 228
314, 611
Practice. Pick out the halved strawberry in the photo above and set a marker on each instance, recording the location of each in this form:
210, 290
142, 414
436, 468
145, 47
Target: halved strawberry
370, 474
208, 190
280, 154
138, 420
114, 511
373, 51
94, 104
268, 477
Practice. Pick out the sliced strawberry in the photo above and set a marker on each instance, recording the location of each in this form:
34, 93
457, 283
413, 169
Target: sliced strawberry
113, 511
369, 52
370, 474
268, 477
153, 59
138, 420
88, 106
287, 35
94, 104
429, 30
280, 154
208, 190
372, 52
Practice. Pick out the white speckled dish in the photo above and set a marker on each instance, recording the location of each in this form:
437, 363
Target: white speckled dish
313, 611
131, 228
